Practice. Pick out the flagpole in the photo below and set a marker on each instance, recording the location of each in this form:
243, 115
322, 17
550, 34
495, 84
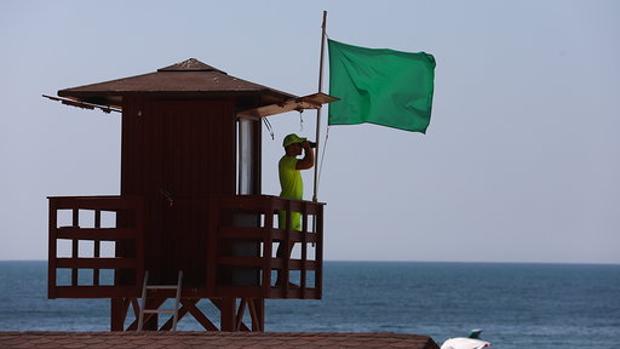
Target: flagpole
318, 111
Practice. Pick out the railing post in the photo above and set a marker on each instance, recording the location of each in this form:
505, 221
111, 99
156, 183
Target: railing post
75, 246
97, 247
284, 277
304, 252
51, 256
267, 250
318, 274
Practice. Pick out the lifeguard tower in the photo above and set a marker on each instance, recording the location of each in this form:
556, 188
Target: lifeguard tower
190, 201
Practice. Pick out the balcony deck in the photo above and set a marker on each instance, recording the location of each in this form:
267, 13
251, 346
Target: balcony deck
222, 233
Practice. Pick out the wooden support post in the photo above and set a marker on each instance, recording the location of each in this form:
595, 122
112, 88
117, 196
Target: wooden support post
227, 314
260, 312
218, 302
118, 310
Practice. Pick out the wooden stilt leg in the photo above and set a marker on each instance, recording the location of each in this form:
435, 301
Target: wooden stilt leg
259, 304
240, 313
231, 316
118, 313
253, 314
227, 314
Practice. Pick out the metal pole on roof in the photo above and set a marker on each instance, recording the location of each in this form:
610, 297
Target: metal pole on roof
318, 111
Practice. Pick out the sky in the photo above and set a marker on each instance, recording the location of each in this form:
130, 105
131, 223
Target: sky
520, 163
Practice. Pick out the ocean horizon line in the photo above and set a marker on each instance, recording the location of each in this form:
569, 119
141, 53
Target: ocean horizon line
412, 261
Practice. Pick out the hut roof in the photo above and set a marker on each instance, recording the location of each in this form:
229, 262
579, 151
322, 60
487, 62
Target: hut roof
189, 78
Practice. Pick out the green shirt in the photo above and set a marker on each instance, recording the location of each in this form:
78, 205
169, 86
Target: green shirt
290, 178
292, 188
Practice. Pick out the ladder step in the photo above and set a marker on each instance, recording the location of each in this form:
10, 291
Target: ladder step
161, 287
159, 311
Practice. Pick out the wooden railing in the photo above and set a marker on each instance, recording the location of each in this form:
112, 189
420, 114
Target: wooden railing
301, 272
127, 216
266, 233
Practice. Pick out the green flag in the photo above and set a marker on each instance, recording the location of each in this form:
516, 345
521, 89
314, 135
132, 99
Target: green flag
380, 86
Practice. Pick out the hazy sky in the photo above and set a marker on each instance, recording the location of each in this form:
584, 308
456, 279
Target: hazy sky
521, 161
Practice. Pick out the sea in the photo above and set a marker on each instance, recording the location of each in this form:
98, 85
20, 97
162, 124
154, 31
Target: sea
516, 305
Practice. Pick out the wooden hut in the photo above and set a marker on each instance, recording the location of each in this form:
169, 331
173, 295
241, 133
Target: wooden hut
190, 200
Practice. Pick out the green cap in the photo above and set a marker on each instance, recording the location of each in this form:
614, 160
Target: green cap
292, 139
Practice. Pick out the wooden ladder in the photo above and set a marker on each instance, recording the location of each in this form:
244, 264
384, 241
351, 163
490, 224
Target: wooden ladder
174, 312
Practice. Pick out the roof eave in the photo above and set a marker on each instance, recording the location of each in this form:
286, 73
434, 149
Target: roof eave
115, 98
88, 94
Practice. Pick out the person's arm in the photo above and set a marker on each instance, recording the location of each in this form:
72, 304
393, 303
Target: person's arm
308, 160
